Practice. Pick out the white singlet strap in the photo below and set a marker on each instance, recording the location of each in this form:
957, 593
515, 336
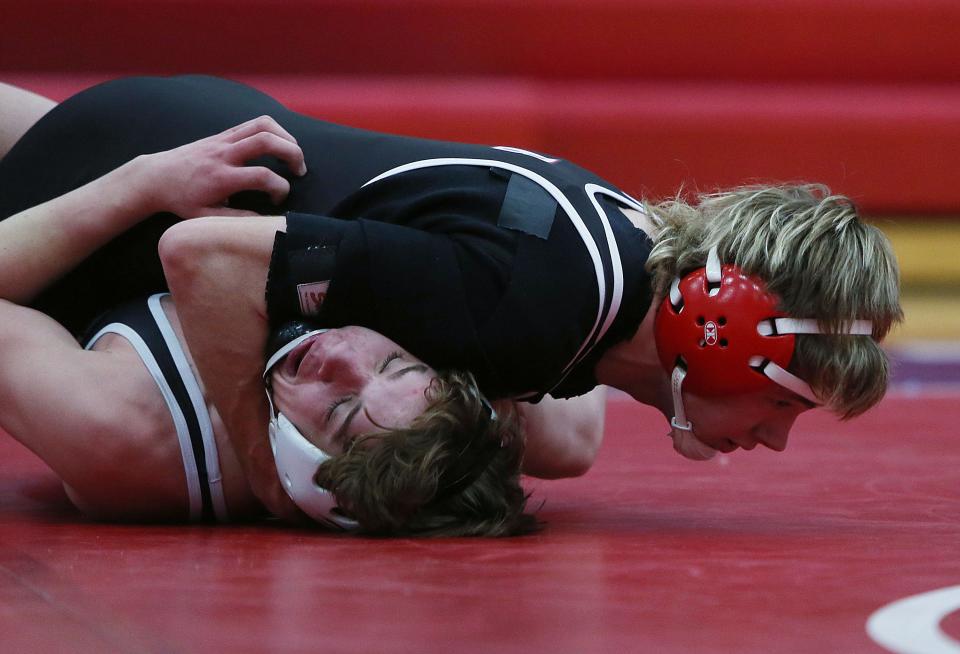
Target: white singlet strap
191, 472
211, 453
535, 155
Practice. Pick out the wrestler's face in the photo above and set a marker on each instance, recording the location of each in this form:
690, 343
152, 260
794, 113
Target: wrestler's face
745, 421
347, 382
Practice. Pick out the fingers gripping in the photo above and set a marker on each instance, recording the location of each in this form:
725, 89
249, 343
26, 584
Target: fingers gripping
191, 180
258, 178
255, 126
268, 143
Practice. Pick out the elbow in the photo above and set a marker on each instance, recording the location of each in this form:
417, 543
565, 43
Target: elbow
565, 468
572, 468
582, 458
574, 460
175, 249
586, 440
183, 249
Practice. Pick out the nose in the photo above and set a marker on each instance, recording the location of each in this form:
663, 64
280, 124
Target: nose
775, 437
340, 366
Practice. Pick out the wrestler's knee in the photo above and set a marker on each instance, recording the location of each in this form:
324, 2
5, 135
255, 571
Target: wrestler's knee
19, 111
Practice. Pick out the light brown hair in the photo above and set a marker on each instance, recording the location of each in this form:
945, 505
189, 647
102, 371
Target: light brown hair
455, 471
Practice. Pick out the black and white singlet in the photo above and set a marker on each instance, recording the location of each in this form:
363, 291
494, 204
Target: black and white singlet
517, 266
145, 326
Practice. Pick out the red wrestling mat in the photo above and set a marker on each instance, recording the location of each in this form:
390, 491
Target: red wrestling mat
753, 552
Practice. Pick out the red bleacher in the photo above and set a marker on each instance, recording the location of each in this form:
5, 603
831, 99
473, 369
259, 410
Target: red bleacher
650, 93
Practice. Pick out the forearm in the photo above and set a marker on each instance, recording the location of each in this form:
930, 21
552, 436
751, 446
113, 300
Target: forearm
217, 269
563, 436
41, 244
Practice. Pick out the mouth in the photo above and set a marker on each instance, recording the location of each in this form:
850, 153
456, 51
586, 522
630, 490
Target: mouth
291, 365
727, 446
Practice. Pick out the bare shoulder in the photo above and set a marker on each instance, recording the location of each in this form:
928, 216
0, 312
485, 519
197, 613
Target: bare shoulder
95, 417
47, 376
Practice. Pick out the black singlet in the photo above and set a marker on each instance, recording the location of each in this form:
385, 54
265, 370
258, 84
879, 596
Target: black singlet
514, 265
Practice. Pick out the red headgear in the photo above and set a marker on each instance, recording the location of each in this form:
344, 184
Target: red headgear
723, 330
711, 329
719, 332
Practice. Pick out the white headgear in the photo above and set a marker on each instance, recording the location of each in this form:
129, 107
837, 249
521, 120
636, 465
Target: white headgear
297, 459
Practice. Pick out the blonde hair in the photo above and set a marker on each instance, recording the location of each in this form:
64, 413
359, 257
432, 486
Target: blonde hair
814, 252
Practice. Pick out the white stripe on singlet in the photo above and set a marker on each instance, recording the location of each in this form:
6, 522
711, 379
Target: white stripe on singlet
575, 219
616, 266
179, 422
211, 455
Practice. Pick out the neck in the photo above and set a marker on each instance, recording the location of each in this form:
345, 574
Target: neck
633, 367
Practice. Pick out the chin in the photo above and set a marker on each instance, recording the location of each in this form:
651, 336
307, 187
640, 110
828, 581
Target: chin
690, 447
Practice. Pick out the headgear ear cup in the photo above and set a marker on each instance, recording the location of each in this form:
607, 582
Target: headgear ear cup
297, 459
714, 337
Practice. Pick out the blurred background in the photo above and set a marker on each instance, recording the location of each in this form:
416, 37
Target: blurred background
651, 94
648, 553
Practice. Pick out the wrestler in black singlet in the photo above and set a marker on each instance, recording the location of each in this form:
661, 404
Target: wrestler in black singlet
518, 267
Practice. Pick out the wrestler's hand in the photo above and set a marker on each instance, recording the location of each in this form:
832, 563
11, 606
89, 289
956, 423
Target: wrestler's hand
197, 179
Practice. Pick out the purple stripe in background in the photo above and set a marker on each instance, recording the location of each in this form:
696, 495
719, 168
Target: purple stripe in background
925, 363
918, 369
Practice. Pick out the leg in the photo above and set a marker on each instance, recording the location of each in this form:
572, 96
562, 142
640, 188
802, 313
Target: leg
19, 110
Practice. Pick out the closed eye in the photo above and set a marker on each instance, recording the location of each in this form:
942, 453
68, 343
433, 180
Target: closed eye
386, 362
333, 406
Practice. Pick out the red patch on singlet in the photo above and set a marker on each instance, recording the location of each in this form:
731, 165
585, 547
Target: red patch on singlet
312, 296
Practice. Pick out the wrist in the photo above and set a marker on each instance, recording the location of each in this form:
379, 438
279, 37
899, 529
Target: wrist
107, 206
134, 189
124, 196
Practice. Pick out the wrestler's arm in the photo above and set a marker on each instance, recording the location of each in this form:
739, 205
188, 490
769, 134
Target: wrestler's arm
188, 181
562, 436
82, 413
38, 360
217, 269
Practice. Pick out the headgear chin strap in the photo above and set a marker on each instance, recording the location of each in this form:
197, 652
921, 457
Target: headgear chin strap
719, 332
297, 459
